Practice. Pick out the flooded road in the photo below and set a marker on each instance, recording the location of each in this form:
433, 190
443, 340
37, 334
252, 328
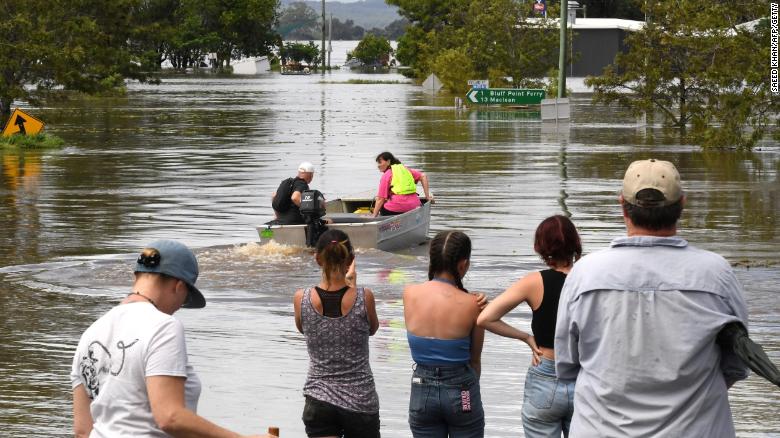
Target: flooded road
197, 158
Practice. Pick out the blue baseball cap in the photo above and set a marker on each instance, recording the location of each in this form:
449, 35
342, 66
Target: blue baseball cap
172, 258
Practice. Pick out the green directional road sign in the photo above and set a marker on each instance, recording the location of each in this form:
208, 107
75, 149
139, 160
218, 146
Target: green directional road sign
505, 96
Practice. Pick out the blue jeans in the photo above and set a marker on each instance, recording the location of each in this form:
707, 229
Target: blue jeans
548, 402
445, 401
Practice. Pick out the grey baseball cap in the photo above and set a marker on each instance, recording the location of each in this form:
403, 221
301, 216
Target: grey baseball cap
172, 258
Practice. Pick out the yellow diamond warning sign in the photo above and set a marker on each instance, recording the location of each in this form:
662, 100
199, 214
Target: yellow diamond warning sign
22, 123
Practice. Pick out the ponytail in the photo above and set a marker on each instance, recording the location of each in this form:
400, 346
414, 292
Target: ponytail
335, 252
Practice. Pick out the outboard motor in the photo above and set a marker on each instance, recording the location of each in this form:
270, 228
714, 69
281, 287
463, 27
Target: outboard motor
313, 209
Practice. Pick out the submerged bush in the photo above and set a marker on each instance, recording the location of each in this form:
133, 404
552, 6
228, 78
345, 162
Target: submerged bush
37, 141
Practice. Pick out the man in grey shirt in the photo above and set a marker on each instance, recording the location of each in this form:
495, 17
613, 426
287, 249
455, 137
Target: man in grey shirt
637, 324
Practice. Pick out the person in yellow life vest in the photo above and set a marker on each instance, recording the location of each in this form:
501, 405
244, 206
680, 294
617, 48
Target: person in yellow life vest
398, 187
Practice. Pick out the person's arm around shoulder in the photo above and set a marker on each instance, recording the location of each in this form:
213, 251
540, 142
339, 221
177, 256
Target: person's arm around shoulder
351, 276
166, 398
82, 416
490, 318
373, 319
297, 298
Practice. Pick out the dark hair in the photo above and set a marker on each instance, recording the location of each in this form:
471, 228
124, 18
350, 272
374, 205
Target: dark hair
335, 252
387, 156
557, 241
653, 218
447, 249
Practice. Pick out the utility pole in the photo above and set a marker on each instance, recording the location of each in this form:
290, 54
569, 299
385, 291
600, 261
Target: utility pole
330, 38
561, 50
323, 37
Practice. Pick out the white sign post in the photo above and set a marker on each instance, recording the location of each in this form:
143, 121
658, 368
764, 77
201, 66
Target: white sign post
479, 84
555, 109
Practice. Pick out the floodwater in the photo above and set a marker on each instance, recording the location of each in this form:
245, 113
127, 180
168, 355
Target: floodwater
197, 158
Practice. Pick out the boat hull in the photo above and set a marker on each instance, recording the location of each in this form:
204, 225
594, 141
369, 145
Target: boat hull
388, 233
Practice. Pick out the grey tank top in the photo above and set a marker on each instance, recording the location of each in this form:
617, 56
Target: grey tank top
339, 372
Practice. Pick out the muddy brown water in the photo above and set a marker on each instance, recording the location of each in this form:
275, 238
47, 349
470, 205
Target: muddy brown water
196, 159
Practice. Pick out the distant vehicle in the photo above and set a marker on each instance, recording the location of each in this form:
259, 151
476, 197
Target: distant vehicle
295, 69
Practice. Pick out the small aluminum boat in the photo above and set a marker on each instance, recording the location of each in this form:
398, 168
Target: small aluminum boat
351, 215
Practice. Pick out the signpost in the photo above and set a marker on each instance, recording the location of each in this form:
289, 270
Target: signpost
506, 96
479, 84
22, 123
540, 7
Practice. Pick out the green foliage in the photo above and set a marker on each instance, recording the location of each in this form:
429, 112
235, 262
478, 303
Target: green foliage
47, 47
299, 22
299, 52
705, 75
363, 82
477, 39
37, 141
551, 87
626, 9
454, 69
373, 50
346, 30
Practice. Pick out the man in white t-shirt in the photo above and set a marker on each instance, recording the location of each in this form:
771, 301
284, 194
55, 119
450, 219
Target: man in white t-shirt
131, 376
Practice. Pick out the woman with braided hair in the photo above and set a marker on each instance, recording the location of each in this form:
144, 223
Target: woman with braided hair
337, 318
446, 344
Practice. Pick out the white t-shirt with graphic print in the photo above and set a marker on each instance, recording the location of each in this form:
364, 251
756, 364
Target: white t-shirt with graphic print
116, 354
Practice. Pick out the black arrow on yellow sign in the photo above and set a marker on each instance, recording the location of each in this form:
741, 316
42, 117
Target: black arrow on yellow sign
20, 121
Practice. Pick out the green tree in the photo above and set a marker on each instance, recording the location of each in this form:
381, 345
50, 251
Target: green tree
705, 74
300, 22
396, 29
346, 30
47, 47
626, 9
158, 23
373, 50
51, 47
242, 27
495, 38
299, 52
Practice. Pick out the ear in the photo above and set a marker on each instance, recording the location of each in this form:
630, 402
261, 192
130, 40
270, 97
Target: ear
317, 258
622, 203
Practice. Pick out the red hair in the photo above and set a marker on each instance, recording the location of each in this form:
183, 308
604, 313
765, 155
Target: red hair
557, 241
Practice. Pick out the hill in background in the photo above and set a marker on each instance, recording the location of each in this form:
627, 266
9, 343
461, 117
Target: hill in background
367, 13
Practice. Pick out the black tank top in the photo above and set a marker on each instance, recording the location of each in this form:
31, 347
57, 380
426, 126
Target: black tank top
331, 301
543, 323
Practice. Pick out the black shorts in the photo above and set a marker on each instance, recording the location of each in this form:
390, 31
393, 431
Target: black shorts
385, 212
323, 419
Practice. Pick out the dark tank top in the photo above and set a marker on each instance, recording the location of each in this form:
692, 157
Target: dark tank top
543, 323
331, 300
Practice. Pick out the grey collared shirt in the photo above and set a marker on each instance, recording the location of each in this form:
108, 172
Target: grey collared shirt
636, 327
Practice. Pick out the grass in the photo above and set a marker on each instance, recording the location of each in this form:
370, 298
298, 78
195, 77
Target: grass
37, 141
364, 81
